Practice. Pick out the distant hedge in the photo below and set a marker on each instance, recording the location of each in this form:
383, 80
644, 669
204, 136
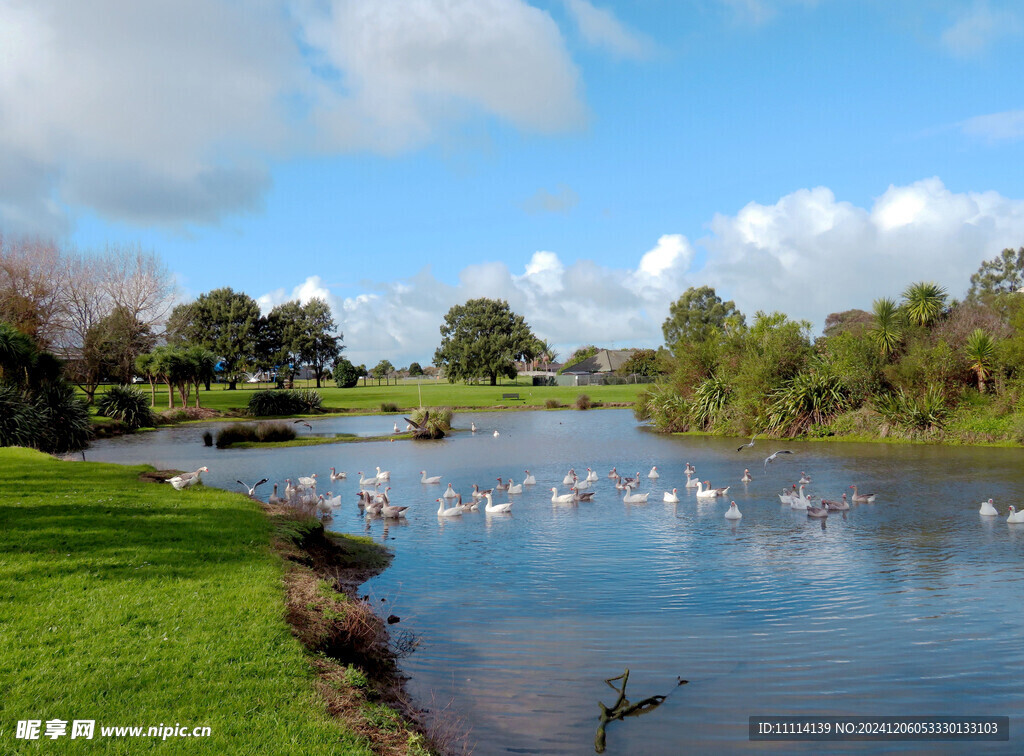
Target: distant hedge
278, 402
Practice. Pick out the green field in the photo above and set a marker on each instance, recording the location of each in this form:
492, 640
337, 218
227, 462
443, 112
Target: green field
408, 394
130, 603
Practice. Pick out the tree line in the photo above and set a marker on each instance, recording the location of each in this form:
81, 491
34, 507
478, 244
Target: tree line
914, 366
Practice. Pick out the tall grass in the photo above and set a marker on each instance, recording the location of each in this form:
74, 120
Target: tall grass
250, 433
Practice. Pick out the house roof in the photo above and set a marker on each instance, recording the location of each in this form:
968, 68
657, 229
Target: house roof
605, 361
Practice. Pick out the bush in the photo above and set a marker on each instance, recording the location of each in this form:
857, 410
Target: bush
64, 419
583, 402
388, 407
127, 404
926, 412
277, 402
438, 421
552, 404
19, 423
207, 439
346, 375
258, 433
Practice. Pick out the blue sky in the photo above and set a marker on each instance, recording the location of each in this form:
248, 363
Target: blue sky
585, 160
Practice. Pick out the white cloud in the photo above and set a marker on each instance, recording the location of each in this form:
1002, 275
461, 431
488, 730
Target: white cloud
1007, 126
807, 255
810, 254
978, 28
168, 112
600, 28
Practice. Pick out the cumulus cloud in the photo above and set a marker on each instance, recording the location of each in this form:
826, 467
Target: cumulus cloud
599, 27
168, 112
978, 28
542, 201
1007, 126
807, 255
810, 254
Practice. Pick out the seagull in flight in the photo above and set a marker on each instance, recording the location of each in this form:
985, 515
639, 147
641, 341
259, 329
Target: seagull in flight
746, 446
252, 490
772, 457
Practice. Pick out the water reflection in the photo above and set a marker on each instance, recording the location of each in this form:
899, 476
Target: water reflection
910, 604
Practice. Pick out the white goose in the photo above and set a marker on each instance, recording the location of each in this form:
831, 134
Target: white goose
632, 498
568, 498
654, 472
514, 488
309, 482
331, 500
591, 476
1015, 516
799, 500
746, 476
185, 480
582, 484
529, 480
472, 427
289, 489
671, 498
988, 509
803, 478
491, 507
613, 474
708, 493
336, 476
690, 482
496, 434
450, 493
733, 513
570, 478
383, 474
425, 479
366, 481
274, 498
450, 512
690, 469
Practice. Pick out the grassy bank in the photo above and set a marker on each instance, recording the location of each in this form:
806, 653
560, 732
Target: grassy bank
407, 394
130, 603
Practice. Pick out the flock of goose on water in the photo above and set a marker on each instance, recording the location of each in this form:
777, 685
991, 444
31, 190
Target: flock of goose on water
377, 502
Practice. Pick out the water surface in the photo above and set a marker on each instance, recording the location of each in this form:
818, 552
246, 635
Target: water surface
911, 605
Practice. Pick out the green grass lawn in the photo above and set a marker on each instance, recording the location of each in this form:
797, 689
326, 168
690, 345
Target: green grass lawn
407, 394
130, 603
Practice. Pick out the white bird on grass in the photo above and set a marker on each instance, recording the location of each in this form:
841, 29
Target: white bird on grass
186, 480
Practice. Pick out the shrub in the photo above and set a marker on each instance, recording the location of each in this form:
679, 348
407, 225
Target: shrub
19, 423
277, 402
583, 402
388, 407
438, 421
926, 412
812, 397
127, 404
64, 419
269, 432
708, 401
207, 439
346, 375
552, 404
235, 433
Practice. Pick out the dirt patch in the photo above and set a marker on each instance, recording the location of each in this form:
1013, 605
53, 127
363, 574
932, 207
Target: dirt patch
158, 476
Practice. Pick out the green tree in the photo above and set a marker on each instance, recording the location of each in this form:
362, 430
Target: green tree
1003, 274
924, 302
286, 338
320, 344
641, 362
415, 369
225, 322
698, 315
981, 354
382, 369
483, 338
886, 331
121, 337
346, 375
16, 354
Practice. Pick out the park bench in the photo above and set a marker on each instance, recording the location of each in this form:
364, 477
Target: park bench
510, 396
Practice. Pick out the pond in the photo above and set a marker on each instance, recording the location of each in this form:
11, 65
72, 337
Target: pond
910, 605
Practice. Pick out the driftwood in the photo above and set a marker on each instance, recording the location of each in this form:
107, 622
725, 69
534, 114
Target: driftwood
623, 708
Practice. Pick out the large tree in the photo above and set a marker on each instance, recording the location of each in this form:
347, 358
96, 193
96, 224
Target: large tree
483, 338
698, 315
321, 345
225, 322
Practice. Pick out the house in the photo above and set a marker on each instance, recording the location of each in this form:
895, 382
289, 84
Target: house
605, 361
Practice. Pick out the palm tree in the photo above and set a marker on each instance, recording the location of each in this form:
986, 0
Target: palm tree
885, 331
16, 354
546, 352
981, 351
924, 302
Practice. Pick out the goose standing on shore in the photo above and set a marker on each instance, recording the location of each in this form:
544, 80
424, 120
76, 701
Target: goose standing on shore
186, 480
274, 499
